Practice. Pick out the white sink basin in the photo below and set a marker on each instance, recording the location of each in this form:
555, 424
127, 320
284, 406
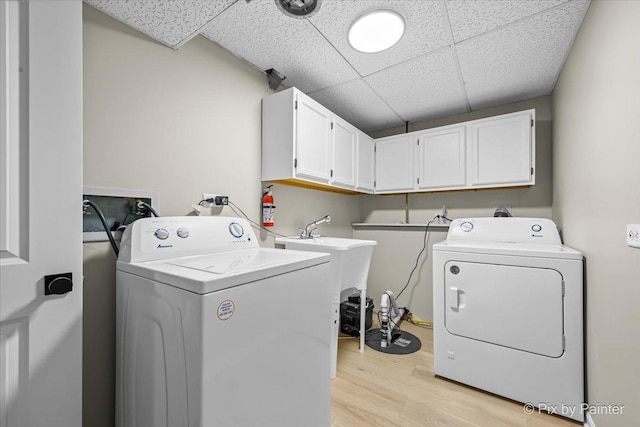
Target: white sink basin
350, 259
330, 243
349, 268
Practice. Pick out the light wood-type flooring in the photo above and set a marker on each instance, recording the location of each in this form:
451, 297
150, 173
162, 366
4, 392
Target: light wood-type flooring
377, 389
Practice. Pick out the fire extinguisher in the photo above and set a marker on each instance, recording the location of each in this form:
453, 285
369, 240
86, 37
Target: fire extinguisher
267, 207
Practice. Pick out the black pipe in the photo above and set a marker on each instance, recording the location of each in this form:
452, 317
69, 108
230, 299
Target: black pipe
104, 224
148, 207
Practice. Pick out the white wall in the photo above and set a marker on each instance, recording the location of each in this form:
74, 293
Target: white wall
596, 133
395, 255
181, 123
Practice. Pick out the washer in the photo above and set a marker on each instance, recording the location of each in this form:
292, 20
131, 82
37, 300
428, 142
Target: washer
508, 312
213, 330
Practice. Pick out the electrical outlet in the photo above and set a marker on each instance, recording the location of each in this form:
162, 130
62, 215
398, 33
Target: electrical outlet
633, 235
216, 200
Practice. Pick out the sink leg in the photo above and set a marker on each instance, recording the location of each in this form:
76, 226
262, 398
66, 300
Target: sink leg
363, 312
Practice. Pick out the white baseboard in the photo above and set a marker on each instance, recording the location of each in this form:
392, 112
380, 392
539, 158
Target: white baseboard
588, 421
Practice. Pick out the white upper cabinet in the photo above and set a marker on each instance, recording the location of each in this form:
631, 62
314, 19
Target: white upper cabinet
502, 150
313, 140
394, 164
441, 157
343, 157
365, 163
305, 144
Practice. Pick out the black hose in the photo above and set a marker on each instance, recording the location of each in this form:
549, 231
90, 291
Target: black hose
104, 224
149, 208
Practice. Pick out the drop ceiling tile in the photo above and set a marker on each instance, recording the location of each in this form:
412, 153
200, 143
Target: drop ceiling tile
171, 22
262, 35
423, 88
425, 30
469, 18
358, 104
522, 60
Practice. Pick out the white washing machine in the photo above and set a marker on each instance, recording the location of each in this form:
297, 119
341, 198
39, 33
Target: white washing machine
508, 312
213, 330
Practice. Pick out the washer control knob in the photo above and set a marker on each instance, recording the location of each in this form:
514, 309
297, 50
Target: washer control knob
236, 230
536, 228
466, 226
183, 232
162, 233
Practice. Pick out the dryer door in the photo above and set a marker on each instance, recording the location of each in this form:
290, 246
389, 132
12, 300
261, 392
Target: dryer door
516, 307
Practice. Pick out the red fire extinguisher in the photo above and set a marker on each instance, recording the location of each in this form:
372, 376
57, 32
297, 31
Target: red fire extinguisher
267, 207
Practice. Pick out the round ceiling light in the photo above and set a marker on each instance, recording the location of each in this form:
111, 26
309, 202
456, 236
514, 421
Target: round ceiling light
376, 31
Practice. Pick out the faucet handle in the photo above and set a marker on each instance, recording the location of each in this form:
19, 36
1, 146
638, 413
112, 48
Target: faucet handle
303, 233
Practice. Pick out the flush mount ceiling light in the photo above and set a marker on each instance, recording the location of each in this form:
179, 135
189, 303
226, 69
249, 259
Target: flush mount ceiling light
298, 8
376, 31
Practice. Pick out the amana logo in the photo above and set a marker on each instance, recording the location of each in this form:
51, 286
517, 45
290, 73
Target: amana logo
160, 246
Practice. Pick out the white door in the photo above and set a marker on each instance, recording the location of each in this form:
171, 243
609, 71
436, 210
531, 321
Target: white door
365, 163
510, 306
502, 150
343, 172
394, 164
313, 140
441, 155
41, 213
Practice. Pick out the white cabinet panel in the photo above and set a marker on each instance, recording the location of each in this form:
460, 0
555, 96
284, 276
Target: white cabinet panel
394, 163
313, 139
305, 144
343, 171
365, 162
441, 157
502, 150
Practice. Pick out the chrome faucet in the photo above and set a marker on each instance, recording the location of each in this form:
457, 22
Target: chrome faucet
307, 233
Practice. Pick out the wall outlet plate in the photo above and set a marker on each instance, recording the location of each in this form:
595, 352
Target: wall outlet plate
218, 200
633, 235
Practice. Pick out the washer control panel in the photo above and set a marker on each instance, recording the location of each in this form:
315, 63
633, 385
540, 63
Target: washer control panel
167, 237
509, 230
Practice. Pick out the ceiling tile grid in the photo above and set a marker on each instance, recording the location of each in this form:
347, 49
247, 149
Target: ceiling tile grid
262, 35
472, 17
358, 104
425, 30
455, 55
522, 60
171, 22
423, 88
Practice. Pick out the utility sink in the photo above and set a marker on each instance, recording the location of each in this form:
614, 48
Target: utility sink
350, 259
349, 269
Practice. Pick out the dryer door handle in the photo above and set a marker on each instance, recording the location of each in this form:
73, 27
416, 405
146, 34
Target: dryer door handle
454, 297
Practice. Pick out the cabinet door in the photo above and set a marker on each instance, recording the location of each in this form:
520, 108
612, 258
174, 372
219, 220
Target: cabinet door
441, 158
313, 140
394, 164
365, 163
343, 154
501, 150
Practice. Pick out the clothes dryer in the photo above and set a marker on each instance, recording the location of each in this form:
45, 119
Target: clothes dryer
508, 312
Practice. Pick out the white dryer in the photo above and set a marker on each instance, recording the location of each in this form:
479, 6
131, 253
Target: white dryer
508, 312
213, 330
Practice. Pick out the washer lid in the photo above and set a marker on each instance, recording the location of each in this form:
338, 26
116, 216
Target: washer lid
207, 273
